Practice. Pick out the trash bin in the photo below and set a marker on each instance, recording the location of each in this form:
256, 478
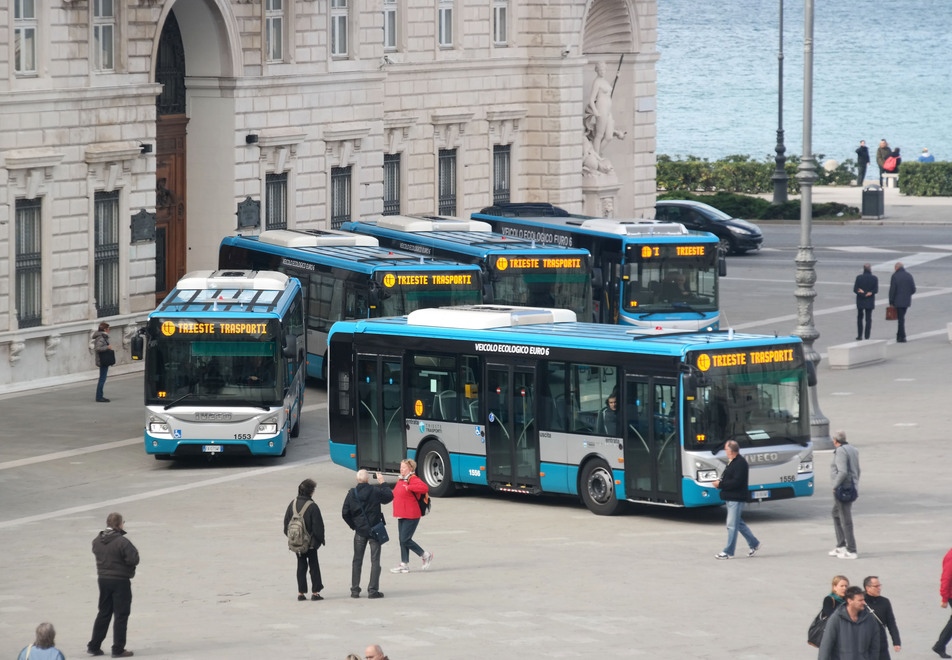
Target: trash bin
873, 204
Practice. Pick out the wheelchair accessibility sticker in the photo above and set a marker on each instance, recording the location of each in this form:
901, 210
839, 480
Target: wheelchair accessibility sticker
177, 434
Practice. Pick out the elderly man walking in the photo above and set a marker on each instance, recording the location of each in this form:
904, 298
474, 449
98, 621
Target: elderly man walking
844, 468
901, 288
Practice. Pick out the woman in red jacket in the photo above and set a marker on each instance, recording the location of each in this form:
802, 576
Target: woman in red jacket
406, 509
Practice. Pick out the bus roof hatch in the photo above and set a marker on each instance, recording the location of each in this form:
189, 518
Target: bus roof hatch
635, 227
485, 317
431, 223
314, 238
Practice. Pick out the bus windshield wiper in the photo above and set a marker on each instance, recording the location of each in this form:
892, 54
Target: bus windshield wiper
250, 404
178, 400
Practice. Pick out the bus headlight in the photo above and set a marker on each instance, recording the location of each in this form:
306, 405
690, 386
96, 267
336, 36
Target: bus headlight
707, 475
268, 427
805, 467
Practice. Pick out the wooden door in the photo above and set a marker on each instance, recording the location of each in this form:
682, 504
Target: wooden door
170, 212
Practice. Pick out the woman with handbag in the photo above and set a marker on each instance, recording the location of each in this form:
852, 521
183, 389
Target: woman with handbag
406, 509
831, 601
105, 358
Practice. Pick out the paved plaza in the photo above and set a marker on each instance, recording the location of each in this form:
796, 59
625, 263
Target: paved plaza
511, 577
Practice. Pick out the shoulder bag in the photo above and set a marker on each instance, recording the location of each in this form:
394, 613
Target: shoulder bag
378, 532
891, 314
815, 632
846, 492
107, 358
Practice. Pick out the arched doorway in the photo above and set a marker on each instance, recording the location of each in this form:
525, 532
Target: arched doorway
170, 172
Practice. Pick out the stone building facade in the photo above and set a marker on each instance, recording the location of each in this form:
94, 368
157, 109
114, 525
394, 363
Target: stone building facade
134, 134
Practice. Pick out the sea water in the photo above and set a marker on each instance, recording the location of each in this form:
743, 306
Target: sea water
881, 69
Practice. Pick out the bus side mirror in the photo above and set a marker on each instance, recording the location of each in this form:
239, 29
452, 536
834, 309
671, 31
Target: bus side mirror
721, 264
597, 280
488, 296
289, 349
137, 346
811, 373
691, 382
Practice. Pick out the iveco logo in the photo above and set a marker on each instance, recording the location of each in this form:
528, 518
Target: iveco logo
212, 417
768, 457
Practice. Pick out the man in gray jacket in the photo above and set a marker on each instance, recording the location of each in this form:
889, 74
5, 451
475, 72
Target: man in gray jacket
851, 631
845, 467
116, 561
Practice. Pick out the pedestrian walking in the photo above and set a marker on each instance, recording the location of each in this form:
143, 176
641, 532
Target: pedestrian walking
836, 597
374, 652
882, 153
862, 161
865, 287
361, 511
406, 509
945, 591
43, 646
116, 561
881, 609
733, 485
851, 631
305, 507
102, 349
843, 468
901, 288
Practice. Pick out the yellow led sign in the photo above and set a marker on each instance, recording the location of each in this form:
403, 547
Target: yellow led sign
169, 328
744, 358
391, 280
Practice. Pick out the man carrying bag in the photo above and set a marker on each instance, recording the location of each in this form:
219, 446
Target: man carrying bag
844, 473
361, 512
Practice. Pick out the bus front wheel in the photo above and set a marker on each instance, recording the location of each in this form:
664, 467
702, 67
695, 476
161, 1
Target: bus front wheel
598, 489
434, 468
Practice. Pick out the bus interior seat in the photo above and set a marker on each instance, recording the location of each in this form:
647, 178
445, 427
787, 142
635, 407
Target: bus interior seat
444, 405
474, 410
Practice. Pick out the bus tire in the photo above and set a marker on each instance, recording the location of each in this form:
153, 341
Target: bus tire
434, 468
597, 488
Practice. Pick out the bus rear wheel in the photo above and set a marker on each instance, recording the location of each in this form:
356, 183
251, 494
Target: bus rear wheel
597, 489
433, 465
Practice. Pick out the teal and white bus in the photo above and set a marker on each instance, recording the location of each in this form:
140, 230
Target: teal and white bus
518, 400
515, 271
349, 276
224, 365
655, 276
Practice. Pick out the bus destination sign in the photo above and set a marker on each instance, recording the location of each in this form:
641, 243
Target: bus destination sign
539, 263
748, 358
192, 327
426, 280
673, 251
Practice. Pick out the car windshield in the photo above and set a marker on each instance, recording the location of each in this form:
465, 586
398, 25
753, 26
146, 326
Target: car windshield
715, 214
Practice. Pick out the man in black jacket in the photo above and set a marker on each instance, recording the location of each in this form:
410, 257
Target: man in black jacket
881, 609
116, 561
862, 160
865, 287
361, 511
733, 485
901, 288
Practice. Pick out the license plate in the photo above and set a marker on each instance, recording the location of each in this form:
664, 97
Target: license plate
761, 494
212, 449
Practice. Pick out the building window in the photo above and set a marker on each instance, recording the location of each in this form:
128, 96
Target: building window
24, 37
107, 253
339, 28
274, 30
500, 22
501, 172
104, 31
445, 15
447, 182
340, 196
28, 263
276, 201
391, 184
389, 25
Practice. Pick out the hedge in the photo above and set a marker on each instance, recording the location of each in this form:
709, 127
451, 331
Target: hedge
926, 179
756, 208
742, 174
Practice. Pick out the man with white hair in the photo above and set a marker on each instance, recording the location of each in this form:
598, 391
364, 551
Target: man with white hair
361, 511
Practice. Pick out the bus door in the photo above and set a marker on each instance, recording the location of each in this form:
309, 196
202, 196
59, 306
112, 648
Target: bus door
652, 440
512, 435
381, 444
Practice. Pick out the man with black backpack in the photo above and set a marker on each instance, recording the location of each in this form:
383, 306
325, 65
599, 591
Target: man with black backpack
304, 527
361, 511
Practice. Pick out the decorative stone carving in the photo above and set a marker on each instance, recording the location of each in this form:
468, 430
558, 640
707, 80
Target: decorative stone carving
52, 343
599, 126
16, 348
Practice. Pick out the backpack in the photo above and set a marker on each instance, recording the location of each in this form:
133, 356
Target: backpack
299, 539
424, 502
889, 164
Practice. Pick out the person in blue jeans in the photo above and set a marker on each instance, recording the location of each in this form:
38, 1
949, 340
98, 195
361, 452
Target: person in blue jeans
733, 485
100, 344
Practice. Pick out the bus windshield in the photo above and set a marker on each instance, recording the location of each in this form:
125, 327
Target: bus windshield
664, 282
758, 408
401, 300
212, 369
569, 289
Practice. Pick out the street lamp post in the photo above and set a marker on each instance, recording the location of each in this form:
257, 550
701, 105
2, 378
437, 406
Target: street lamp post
805, 261
780, 174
